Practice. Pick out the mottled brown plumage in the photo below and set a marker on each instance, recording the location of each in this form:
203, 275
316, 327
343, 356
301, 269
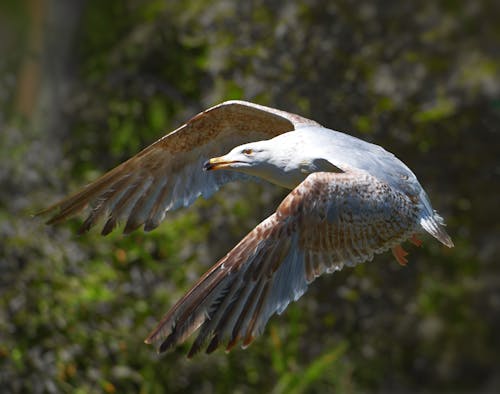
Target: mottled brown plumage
349, 201
159, 178
232, 302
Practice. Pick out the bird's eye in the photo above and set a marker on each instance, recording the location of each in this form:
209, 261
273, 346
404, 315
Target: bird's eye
247, 151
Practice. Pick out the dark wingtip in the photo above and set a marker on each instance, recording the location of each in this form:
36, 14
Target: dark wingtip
193, 352
109, 226
232, 343
131, 226
214, 344
51, 221
163, 347
150, 225
55, 219
81, 230
85, 227
168, 343
42, 212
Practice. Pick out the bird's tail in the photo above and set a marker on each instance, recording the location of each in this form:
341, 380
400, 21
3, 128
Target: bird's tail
434, 225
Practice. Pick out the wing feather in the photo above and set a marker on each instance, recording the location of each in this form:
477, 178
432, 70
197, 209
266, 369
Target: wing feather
174, 162
322, 225
144, 205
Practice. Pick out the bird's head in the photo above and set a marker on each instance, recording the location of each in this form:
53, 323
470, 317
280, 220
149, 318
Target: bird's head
262, 159
277, 163
252, 158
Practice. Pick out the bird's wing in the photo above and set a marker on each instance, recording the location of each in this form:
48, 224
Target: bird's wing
168, 174
328, 221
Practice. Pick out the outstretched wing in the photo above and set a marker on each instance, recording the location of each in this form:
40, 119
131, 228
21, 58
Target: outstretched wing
328, 221
168, 174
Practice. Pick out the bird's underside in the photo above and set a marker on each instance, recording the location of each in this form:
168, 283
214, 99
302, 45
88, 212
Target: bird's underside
168, 174
329, 220
307, 236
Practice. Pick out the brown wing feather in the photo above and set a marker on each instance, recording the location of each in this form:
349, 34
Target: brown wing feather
322, 225
168, 173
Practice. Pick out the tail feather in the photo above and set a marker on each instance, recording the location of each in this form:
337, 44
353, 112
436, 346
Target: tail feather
434, 225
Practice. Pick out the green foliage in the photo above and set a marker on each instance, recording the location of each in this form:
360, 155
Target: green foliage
317, 374
420, 79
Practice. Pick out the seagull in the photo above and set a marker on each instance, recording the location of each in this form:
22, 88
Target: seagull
349, 200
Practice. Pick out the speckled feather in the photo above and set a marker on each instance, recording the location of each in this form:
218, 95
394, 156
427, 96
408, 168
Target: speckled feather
168, 174
368, 203
328, 221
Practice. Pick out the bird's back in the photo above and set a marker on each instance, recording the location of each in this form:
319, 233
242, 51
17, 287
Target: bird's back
344, 150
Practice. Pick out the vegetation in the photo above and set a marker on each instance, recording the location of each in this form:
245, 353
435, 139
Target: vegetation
86, 84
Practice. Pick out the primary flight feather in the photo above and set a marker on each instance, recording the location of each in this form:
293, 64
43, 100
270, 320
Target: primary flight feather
350, 200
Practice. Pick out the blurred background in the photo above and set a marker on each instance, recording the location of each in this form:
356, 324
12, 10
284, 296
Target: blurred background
85, 84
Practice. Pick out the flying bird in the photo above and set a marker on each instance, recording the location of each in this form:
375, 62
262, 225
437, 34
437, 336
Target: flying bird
349, 200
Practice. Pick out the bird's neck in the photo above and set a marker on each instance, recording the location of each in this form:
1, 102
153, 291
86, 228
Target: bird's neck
289, 174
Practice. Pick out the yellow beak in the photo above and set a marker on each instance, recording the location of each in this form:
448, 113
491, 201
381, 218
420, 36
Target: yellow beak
217, 163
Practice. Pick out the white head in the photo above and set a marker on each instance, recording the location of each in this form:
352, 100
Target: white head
276, 163
254, 158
